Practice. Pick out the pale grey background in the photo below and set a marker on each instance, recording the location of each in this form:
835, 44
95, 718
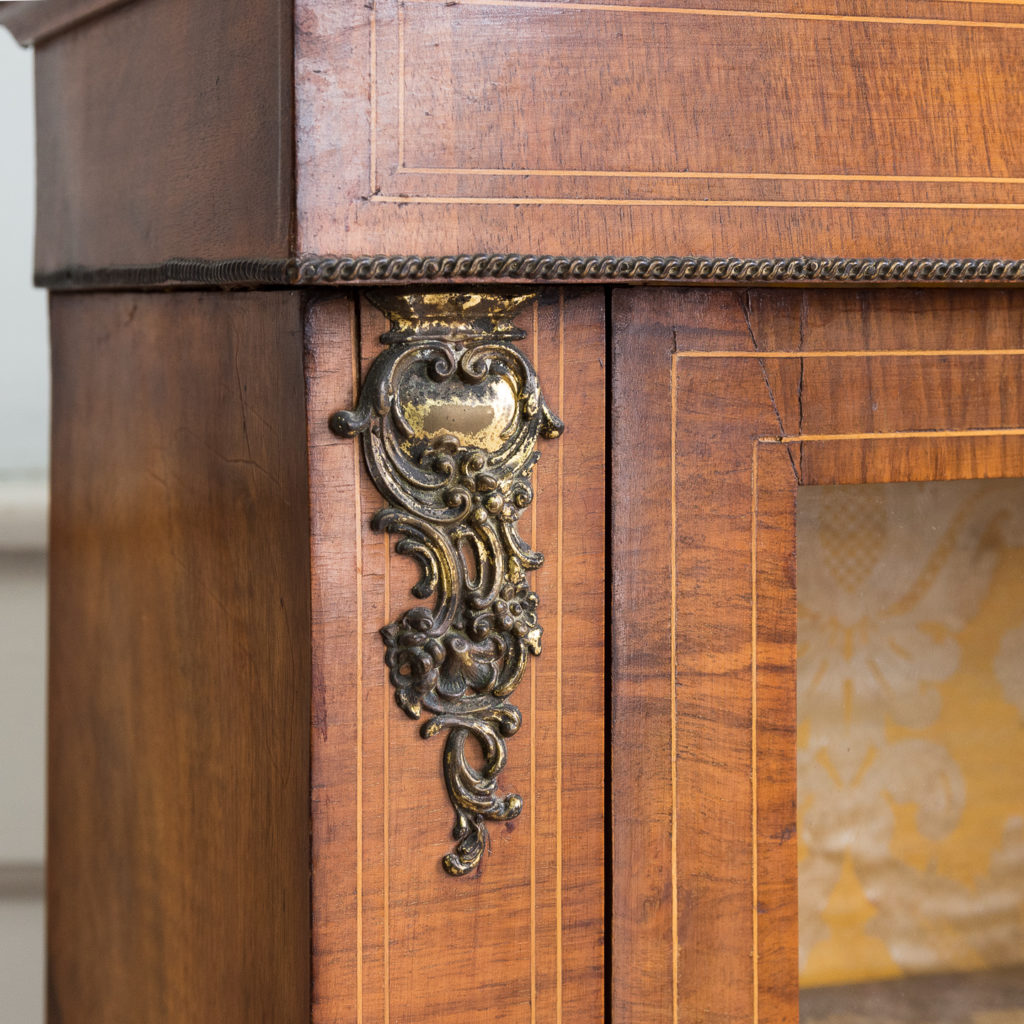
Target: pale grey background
24, 358
24, 416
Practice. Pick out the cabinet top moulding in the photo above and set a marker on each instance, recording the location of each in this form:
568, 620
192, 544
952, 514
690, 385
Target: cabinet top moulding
725, 141
32, 23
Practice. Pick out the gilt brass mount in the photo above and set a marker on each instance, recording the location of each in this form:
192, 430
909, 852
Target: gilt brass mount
449, 416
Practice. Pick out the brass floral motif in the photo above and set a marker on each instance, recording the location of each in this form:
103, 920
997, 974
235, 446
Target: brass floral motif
449, 417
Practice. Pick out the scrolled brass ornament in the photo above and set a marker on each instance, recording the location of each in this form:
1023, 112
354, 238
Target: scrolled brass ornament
449, 417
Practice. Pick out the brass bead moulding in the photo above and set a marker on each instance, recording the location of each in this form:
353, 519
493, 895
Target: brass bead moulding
311, 269
449, 415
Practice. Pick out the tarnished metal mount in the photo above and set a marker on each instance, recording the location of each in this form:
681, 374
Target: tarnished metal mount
449, 416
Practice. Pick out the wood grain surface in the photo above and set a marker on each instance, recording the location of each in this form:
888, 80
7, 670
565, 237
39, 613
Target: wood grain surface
179, 661
734, 128
164, 129
735, 399
395, 938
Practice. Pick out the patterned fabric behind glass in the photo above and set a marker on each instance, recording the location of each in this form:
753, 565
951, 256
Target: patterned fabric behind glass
911, 728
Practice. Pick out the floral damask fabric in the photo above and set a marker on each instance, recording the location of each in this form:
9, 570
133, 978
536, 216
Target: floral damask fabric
910, 729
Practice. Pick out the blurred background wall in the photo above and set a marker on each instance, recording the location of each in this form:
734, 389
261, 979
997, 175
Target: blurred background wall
24, 457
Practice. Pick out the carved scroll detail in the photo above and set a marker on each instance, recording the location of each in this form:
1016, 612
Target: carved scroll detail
449, 417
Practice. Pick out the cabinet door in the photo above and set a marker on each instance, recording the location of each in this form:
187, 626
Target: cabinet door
725, 402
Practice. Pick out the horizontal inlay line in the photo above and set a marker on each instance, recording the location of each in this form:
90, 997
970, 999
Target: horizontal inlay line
713, 175
794, 203
893, 435
700, 12
983, 3
854, 354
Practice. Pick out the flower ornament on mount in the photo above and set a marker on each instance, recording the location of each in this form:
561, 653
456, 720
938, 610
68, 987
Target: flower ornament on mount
449, 417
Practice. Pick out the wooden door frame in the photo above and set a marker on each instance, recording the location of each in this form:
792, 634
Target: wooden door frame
729, 420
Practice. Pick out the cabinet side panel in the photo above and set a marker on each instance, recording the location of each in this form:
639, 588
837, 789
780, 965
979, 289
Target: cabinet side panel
395, 938
179, 702
164, 130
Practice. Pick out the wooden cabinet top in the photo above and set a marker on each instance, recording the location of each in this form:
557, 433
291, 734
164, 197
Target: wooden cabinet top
721, 140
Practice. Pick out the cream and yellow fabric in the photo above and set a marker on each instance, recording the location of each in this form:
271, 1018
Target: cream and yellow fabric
911, 729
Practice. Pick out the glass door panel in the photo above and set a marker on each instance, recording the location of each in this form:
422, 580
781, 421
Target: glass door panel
910, 750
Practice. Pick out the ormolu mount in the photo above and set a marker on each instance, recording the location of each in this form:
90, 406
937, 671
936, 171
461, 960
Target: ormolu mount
449, 415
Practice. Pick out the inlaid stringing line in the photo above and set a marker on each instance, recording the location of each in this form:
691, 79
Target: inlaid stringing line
533, 748
713, 175
357, 506
709, 203
401, 85
755, 934
373, 189
853, 354
386, 858
558, 674
890, 435
860, 19
673, 826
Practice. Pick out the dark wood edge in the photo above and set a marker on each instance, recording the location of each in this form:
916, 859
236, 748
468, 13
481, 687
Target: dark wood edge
32, 23
312, 270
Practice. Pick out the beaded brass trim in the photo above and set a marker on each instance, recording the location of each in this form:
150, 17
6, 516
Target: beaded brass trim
313, 270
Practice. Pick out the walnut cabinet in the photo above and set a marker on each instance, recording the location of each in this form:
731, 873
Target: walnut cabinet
735, 249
